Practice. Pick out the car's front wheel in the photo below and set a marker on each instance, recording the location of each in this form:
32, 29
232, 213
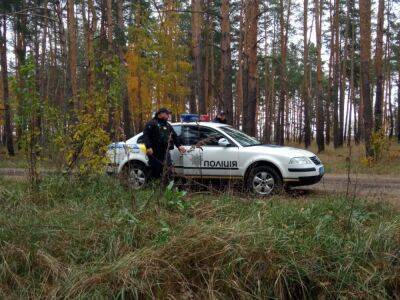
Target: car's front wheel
136, 175
264, 181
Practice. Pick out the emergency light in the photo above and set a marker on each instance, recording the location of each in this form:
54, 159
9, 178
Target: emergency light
190, 118
204, 118
194, 118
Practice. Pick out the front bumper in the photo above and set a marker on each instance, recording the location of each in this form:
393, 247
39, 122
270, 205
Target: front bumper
301, 181
306, 175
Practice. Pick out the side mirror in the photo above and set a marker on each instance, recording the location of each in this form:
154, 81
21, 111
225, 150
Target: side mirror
223, 142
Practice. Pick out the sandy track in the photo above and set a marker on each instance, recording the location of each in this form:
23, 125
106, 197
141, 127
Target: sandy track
371, 186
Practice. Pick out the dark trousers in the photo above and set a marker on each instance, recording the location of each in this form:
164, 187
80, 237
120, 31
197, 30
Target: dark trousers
157, 164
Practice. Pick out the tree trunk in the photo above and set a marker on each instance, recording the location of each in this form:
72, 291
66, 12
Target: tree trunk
388, 65
43, 74
280, 130
72, 54
197, 17
343, 78
92, 21
6, 94
250, 69
398, 86
112, 109
267, 87
319, 96
336, 74
306, 92
20, 53
365, 54
378, 67
239, 75
62, 40
352, 87
271, 94
330, 100
126, 113
226, 63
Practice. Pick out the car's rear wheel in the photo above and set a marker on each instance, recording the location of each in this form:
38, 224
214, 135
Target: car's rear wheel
136, 175
264, 181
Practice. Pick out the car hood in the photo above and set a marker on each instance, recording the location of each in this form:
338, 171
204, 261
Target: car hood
280, 150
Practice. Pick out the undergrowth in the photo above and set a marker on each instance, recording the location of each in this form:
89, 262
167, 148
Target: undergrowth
91, 237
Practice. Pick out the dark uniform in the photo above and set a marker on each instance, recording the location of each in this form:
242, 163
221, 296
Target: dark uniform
219, 120
161, 137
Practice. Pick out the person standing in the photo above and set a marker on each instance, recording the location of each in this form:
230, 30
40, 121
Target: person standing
220, 118
159, 138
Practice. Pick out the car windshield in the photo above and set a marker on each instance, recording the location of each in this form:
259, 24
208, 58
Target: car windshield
242, 138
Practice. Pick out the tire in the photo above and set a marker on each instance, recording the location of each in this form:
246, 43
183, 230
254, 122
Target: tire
136, 175
264, 181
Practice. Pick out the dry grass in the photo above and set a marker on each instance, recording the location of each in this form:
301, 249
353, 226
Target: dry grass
91, 238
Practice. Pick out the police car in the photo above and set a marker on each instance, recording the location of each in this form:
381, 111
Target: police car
220, 151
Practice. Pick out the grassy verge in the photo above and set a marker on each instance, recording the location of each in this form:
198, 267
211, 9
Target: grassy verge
91, 237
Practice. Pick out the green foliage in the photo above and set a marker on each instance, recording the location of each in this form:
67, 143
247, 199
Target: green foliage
115, 76
175, 198
380, 144
164, 233
28, 117
87, 144
82, 238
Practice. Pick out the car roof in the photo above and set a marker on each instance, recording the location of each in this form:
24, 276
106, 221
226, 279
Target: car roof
206, 124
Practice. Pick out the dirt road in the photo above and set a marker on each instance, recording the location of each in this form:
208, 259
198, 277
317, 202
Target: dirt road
370, 186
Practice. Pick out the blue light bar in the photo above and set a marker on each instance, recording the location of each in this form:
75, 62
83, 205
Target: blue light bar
190, 118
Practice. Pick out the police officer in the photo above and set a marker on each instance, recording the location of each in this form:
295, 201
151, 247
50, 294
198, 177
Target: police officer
159, 138
220, 118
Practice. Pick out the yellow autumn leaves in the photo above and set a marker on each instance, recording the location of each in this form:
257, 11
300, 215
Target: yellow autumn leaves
158, 65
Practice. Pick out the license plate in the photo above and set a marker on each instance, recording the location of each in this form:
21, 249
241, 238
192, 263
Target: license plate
321, 171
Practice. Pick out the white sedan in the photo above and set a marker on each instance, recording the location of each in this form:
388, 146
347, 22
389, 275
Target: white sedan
219, 151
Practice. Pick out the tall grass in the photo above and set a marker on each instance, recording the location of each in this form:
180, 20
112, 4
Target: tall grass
91, 237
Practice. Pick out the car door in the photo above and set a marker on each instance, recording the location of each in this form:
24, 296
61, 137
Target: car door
177, 158
217, 160
191, 159
204, 156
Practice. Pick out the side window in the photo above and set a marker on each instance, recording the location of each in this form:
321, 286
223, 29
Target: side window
192, 135
178, 131
209, 137
189, 135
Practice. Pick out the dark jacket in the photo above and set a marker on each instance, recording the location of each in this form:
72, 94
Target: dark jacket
218, 120
160, 136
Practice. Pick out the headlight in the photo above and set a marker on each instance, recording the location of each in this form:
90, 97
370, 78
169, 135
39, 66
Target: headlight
299, 161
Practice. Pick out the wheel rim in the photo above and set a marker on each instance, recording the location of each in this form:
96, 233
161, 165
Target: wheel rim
137, 178
263, 183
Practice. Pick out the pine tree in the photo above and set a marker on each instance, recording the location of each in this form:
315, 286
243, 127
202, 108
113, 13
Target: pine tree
365, 53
